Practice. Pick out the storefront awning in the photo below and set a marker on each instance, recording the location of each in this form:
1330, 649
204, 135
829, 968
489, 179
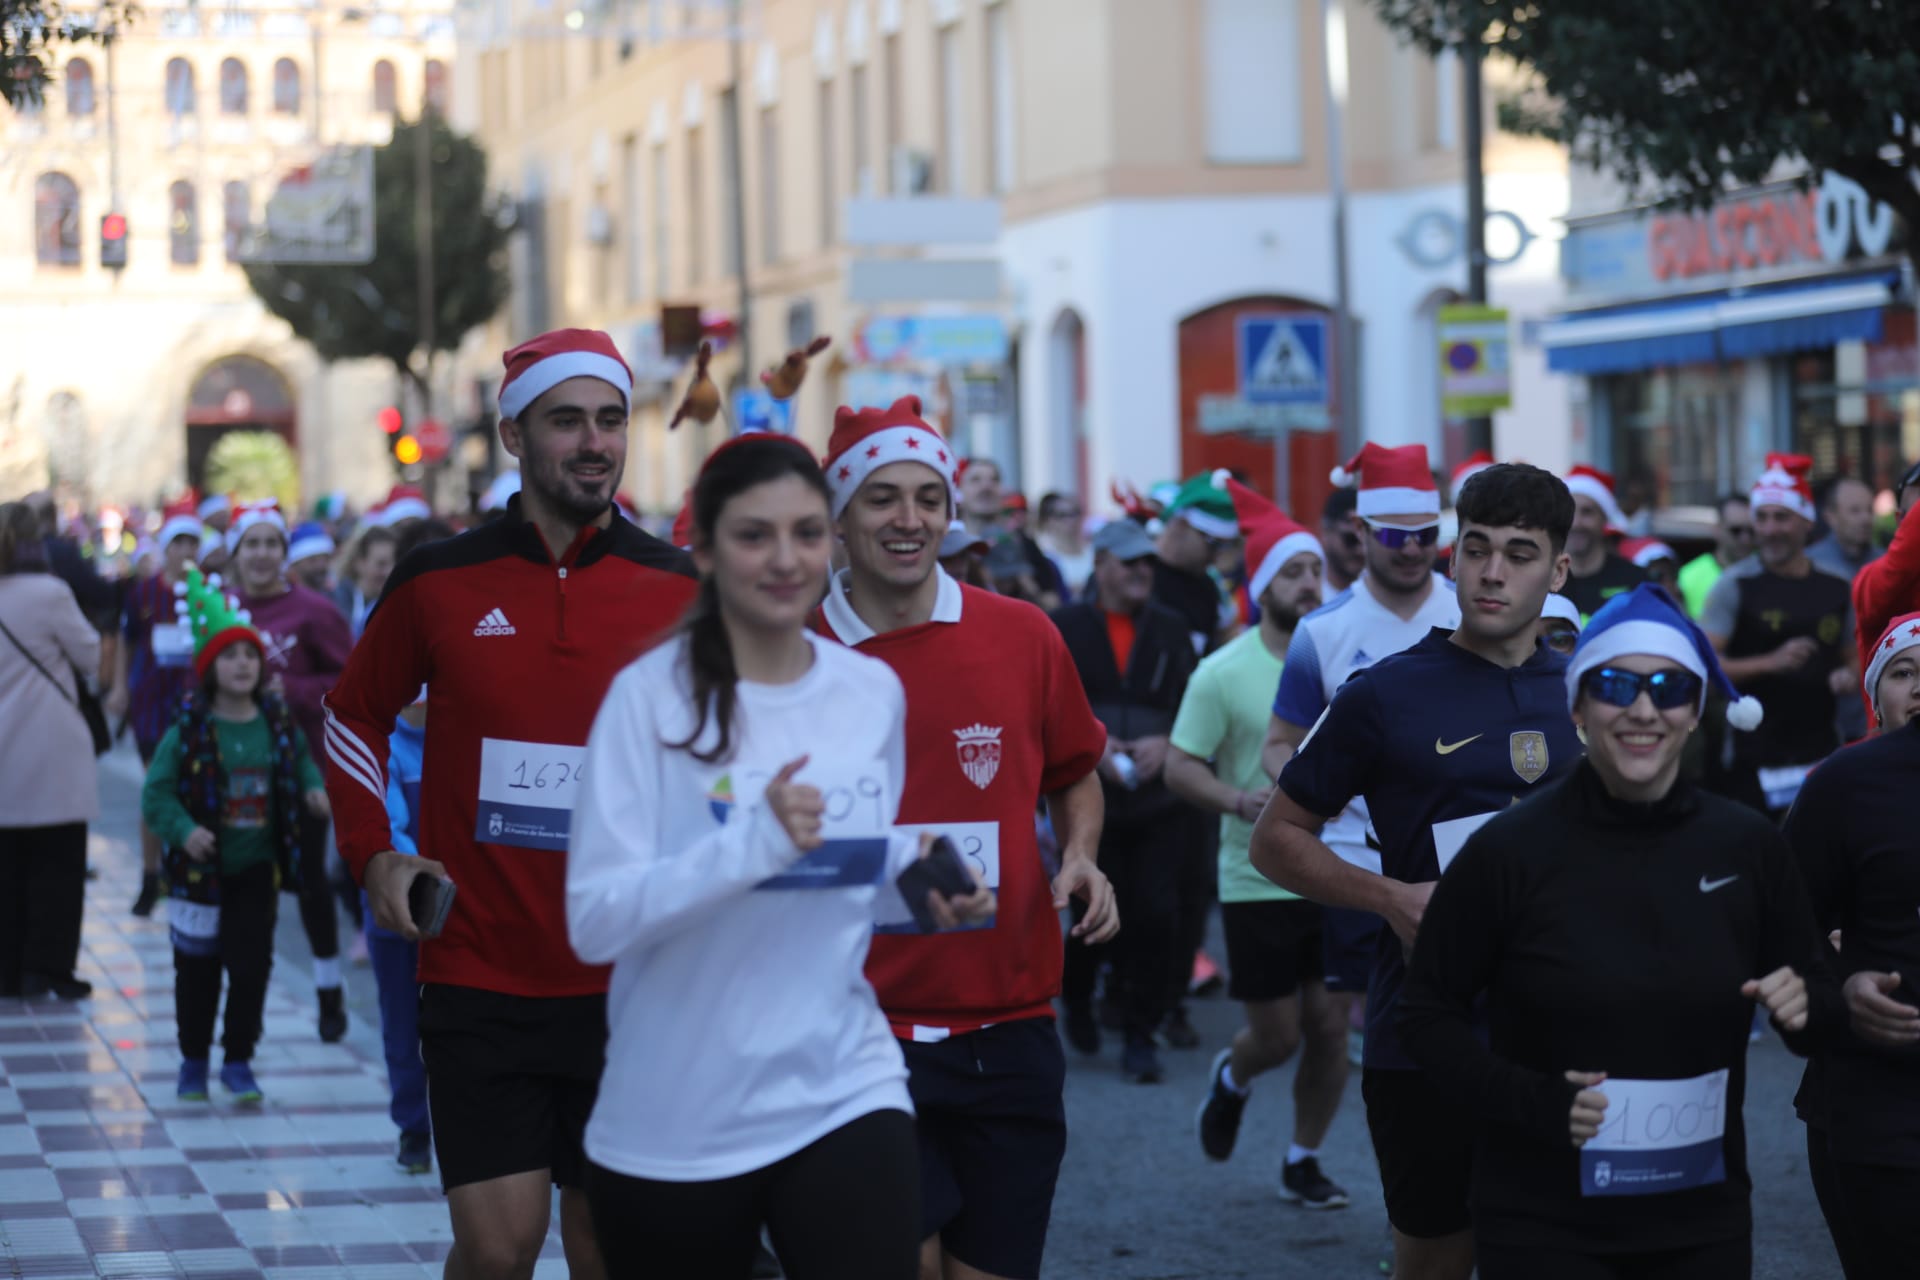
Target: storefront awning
1725, 326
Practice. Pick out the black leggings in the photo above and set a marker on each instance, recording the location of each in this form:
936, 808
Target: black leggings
248, 909
318, 915
1879, 1205
845, 1208
1833, 1207
1721, 1260
43, 890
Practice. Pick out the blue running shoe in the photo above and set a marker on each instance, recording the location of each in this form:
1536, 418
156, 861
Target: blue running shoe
193, 1080
238, 1077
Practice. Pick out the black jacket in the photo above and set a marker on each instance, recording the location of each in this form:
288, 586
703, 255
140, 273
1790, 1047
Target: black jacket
1140, 702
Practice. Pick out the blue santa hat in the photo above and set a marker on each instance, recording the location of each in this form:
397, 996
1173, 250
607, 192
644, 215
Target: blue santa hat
1647, 620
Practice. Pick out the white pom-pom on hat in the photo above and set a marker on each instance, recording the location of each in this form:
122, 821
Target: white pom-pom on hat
180, 589
1745, 713
1341, 478
213, 580
181, 608
245, 615
1220, 477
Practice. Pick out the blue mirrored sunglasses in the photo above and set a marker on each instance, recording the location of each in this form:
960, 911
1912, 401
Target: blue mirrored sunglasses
1393, 538
1669, 689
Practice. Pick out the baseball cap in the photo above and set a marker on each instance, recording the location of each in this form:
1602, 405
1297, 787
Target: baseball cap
1124, 540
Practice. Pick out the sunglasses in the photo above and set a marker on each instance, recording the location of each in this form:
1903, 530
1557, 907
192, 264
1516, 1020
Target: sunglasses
1670, 690
1392, 537
1563, 641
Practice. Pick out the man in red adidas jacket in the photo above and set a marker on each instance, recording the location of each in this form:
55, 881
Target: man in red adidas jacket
996, 720
516, 628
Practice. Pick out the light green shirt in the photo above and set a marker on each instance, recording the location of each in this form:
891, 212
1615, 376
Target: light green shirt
1697, 577
1224, 718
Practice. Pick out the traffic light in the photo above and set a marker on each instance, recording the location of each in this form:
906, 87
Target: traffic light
406, 450
389, 420
113, 240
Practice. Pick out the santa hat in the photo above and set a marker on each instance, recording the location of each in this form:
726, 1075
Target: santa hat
308, 540
404, 502
1902, 634
1646, 620
186, 526
543, 363
1273, 537
266, 511
1786, 482
864, 440
1645, 551
1558, 606
1203, 503
330, 506
217, 621
1591, 482
1470, 466
214, 504
1395, 481
504, 486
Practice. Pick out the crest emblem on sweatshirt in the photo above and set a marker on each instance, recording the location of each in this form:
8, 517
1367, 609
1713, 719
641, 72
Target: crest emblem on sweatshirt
979, 748
1528, 751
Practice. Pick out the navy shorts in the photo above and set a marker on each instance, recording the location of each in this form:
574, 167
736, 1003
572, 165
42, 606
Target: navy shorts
993, 1129
1348, 941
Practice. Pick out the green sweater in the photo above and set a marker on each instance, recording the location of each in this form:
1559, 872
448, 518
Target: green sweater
245, 833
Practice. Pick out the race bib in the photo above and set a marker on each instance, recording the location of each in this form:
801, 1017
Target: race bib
1450, 837
172, 645
527, 791
979, 846
1781, 785
1659, 1136
194, 927
853, 849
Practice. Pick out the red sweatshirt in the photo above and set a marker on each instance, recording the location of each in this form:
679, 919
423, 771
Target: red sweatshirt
1884, 590
516, 652
996, 719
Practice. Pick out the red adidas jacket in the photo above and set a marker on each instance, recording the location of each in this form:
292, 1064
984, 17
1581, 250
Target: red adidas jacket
1884, 590
517, 652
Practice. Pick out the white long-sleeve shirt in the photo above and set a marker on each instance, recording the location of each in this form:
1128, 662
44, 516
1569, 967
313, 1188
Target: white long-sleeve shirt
741, 1027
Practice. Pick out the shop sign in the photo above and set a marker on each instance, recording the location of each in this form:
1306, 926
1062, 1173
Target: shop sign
1221, 415
941, 340
1473, 361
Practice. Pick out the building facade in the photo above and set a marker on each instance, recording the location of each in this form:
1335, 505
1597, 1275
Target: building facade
1154, 179
116, 383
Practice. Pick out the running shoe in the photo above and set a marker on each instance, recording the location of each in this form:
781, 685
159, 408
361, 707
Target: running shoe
416, 1152
1140, 1061
1304, 1185
333, 1014
1080, 1029
1218, 1120
238, 1078
1177, 1031
149, 894
192, 1085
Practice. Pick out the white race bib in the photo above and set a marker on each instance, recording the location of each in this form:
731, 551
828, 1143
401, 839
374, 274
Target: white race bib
172, 645
1659, 1136
527, 791
1781, 785
858, 800
1450, 837
979, 845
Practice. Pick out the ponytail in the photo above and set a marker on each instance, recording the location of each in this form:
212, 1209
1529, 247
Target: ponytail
710, 669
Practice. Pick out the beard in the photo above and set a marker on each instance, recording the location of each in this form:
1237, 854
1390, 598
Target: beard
565, 494
1287, 613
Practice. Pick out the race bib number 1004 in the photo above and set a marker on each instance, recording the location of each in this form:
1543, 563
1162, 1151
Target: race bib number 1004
527, 791
1659, 1136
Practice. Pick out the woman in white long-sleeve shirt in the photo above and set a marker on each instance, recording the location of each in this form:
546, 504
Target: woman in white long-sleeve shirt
731, 833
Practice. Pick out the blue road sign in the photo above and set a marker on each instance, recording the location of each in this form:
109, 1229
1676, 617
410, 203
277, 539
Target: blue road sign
1282, 358
755, 410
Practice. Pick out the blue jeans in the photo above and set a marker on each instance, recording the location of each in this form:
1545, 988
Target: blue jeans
396, 965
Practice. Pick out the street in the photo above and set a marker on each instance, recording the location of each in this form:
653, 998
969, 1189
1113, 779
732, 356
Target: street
103, 1172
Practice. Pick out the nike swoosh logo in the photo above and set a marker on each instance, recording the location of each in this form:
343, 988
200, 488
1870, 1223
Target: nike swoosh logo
1708, 886
1447, 749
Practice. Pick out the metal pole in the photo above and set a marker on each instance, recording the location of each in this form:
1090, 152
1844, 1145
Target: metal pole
1333, 17
113, 128
423, 245
743, 325
1479, 430
319, 84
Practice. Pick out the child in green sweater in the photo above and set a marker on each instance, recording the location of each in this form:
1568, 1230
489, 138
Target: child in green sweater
223, 794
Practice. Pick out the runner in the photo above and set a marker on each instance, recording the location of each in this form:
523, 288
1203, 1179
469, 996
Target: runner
1890, 584
1618, 929
740, 786
1437, 739
1732, 543
996, 722
1597, 574
516, 628
1783, 628
1274, 952
1396, 600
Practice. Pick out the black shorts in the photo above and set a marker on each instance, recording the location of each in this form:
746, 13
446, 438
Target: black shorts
1272, 947
1424, 1143
1350, 939
510, 1081
993, 1130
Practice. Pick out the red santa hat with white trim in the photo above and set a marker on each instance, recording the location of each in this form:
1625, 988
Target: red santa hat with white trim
543, 363
864, 440
1646, 551
249, 514
180, 522
404, 502
1591, 482
1470, 466
1902, 634
1786, 482
1273, 537
1396, 481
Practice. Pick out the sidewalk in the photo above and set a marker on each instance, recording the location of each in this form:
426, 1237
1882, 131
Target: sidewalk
103, 1172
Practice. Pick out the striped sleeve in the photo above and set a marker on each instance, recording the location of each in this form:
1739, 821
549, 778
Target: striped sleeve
383, 675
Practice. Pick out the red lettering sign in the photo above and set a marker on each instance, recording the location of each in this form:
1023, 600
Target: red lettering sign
1770, 231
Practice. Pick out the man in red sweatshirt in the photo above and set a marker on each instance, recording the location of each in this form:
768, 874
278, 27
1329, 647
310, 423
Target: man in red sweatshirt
1889, 586
516, 628
996, 721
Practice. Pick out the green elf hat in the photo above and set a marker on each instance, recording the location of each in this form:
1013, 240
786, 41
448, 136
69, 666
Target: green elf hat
217, 619
1204, 503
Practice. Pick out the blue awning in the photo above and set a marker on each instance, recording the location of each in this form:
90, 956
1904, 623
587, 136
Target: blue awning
1725, 326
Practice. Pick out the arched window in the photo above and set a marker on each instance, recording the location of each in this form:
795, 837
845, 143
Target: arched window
434, 95
56, 221
79, 87
182, 98
233, 87
386, 99
183, 223
286, 87
237, 204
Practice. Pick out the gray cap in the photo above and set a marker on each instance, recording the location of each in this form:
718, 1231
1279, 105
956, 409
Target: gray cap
1123, 539
957, 539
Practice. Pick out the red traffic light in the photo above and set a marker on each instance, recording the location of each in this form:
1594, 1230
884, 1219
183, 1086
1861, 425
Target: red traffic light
389, 420
113, 226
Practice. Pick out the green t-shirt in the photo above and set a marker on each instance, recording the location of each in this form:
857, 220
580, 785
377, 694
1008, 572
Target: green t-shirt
1224, 718
245, 832
1697, 577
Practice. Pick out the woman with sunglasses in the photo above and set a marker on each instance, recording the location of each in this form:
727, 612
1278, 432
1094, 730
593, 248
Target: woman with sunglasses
1851, 829
1619, 927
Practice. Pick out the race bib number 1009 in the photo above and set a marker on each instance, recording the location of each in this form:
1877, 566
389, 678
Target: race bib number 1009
527, 791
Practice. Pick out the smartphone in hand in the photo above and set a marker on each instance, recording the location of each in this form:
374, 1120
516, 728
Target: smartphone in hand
942, 869
429, 899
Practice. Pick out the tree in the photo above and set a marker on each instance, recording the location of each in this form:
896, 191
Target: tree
1697, 96
30, 30
353, 312
254, 465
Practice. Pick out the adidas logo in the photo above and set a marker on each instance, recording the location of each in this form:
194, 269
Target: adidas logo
494, 624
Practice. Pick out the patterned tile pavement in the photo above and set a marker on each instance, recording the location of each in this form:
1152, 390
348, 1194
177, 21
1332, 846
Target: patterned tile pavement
103, 1172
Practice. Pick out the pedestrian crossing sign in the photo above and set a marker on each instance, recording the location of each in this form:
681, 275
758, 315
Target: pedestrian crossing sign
1282, 358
